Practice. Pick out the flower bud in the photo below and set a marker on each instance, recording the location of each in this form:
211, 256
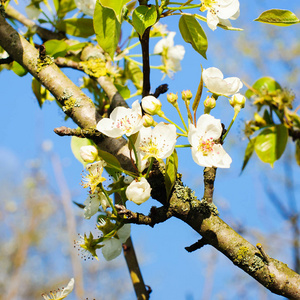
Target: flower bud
152, 105
138, 191
148, 120
237, 101
88, 153
186, 95
172, 98
210, 102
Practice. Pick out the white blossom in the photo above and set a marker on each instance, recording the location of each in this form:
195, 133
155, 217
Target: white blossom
93, 177
205, 151
171, 55
138, 191
219, 11
213, 79
60, 294
86, 6
122, 121
158, 142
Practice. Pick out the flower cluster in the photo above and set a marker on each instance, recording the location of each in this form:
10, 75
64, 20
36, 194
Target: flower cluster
149, 141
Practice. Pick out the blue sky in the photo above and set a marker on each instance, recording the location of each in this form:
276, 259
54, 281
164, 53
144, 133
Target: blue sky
171, 272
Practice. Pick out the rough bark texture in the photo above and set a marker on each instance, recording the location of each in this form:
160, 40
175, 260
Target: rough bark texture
202, 216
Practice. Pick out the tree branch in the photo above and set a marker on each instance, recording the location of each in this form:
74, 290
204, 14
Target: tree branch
156, 215
202, 216
43, 33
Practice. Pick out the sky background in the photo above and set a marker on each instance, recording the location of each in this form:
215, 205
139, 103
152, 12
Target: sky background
167, 267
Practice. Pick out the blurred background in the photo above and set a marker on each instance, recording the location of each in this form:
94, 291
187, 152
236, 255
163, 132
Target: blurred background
39, 179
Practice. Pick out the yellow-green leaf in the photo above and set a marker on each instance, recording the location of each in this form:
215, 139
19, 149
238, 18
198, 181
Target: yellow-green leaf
82, 27
248, 153
193, 33
115, 5
264, 83
107, 28
270, 143
143, 17
171, 172
278, 17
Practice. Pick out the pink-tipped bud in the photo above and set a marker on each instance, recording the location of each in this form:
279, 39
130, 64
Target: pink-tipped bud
172, 98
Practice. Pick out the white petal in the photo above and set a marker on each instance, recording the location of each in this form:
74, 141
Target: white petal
212, 20
176, 52
91, 206
68, 289
227, 9
112, 248
124, 233
220, 159
106, 126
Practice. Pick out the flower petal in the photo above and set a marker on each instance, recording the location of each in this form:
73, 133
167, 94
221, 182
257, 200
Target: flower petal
112, 248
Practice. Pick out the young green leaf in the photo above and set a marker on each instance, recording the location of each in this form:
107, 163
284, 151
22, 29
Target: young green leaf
56, 48
193, 33
143, 17
264, 83
107, 28
115, 5
63, 6
82, 27
278, 17
18, 69
270, 143
171, 172
248, 153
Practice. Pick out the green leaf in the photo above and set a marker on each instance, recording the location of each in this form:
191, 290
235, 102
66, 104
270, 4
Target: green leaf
76, 144
41, 93
171, 172
264, 83
248, 153
109, 159
297, 152
64, 6
123, 90
270, 143
107, 29
113, 166
278, 17
56, 48
82, 27
18, 69
115, 5
134, 73
193, 33
143, 17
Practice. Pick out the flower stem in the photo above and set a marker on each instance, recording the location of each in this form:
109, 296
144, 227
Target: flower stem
180, 115
230, 125
109, 200
150, 167
134, 151
164, 117
183, 146
183, 7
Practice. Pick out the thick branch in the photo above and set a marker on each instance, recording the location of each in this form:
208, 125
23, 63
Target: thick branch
200, 215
